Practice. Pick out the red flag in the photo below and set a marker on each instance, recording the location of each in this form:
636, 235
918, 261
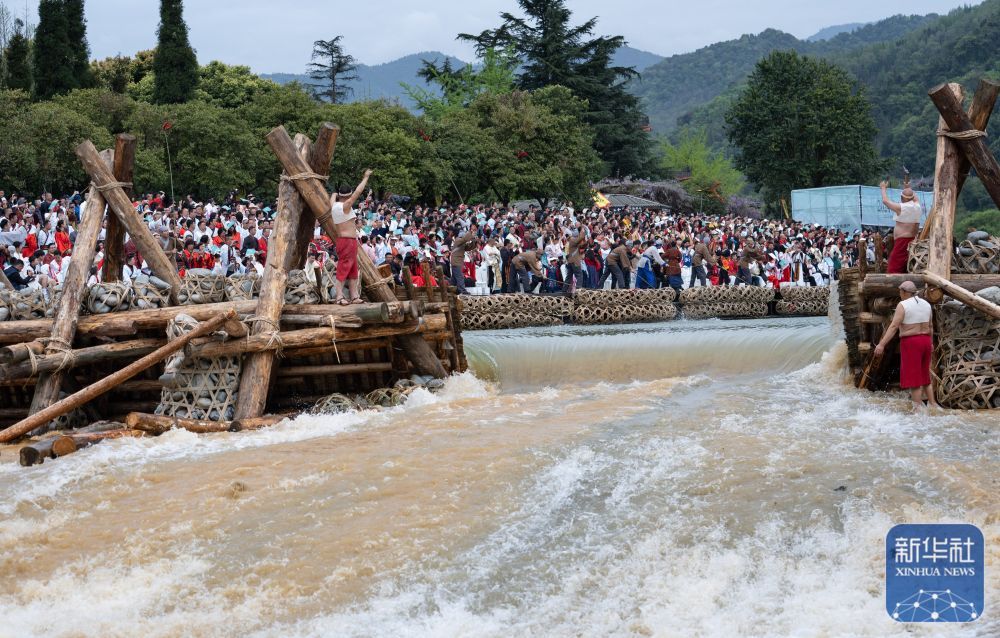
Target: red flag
167, 125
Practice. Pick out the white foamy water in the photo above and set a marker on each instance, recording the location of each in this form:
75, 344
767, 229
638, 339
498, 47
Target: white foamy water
728, 484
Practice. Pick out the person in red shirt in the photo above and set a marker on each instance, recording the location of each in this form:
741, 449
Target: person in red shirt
63, 242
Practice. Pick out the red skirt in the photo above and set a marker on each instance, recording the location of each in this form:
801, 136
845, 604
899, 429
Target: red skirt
347, 258
915, 361
900, 255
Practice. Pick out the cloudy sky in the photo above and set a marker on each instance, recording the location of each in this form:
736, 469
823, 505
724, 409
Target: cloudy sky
277, 35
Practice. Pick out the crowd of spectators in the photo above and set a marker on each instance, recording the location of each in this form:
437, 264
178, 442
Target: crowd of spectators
488, 248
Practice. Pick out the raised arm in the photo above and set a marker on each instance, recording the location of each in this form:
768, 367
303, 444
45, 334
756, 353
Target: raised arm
357, 191
891, 205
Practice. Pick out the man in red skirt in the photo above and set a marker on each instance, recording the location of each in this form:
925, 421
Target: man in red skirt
907, 216
913, 321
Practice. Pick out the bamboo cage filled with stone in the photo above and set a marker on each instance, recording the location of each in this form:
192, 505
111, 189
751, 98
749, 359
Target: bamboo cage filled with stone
204, 352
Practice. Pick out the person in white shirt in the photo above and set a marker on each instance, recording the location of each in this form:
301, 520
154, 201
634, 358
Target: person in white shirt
913, 321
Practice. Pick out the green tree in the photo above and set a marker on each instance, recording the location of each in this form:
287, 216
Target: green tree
457, 88
175, 65
333, 71
552, 52
76, 33
802, 123
53, 54
18, 60
230, 86
114, 74
709, 176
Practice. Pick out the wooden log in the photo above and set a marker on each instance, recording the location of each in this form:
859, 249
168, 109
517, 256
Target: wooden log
261, 422
255, 381
878, 253
140, 385
320, 320
18, 352
348, 346
325, 370
979, 115
77, 399
885, 285
871, 317
119, 203
127, 323
114, 235
74, 288
863, 257
320, 157
81, 357
36, 452
411, 291
884, 305
70, 443
981, 304
316, 198
158, 424
974, 146
942, 222
313, 337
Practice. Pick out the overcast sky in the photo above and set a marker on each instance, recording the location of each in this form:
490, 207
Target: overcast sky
275, 36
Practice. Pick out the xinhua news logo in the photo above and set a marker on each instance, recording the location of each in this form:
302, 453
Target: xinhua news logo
934, 573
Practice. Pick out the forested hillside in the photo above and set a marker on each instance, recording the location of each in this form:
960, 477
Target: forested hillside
684, 82
958, 47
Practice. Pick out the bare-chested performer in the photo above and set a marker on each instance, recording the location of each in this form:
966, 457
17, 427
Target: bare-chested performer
907, 217
347, 243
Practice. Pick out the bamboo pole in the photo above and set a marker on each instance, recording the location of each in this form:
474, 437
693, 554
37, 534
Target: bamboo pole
969, 299
74, 288
255, 379
108, 383
121, 206
970, 140
114, 236
316, 197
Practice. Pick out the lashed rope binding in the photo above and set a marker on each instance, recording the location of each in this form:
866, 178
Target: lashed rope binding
974, 134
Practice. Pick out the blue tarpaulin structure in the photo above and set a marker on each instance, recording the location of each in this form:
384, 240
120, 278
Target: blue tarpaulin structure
849, 208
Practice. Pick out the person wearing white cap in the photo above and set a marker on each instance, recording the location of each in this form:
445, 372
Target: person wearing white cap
907, 219
912, 320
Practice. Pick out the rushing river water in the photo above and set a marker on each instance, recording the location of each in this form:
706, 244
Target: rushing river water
682, 479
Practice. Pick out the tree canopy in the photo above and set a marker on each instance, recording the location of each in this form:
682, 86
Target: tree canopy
802, 123
332, 68
175, 66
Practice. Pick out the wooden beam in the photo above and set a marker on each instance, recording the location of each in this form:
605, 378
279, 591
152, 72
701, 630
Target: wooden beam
74, 288
109, 382
114, 236
326, 370
255, 378
121, 206
942, 221
974, 146
315, 196
969, 299
883, 285
320, 157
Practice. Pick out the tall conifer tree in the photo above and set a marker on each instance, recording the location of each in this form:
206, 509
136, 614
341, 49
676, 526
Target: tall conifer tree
17, 56
76, 32
52, 58
175, 65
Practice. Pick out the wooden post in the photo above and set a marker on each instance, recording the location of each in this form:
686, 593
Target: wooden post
158, 424
969, 299
971, 140
882, 285
942, 222
316, 197
74, 288
121, 206
114, 237
863, 257
878, 252
109, 382
255, 379
319, 161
